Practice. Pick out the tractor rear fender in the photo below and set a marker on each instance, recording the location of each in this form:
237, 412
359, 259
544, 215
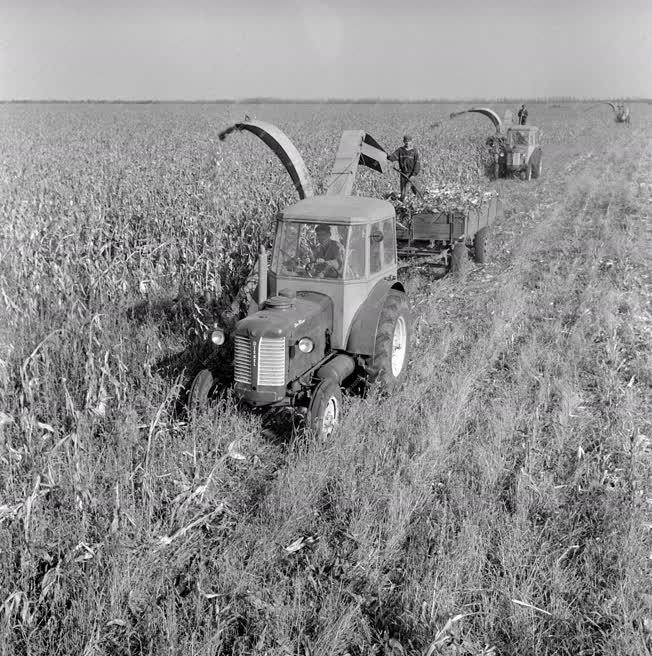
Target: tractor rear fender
362, 335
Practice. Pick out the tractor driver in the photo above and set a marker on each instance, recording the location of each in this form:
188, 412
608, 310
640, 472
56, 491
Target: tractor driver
328, 254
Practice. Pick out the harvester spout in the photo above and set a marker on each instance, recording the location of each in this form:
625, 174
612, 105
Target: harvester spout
279, 143
262, 276
357, 148
485, 111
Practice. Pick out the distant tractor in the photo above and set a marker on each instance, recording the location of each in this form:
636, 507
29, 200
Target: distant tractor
521, 153
330, 309
515, 149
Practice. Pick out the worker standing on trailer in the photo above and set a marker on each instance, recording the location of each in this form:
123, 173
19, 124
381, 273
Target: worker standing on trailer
408, 164
522, 115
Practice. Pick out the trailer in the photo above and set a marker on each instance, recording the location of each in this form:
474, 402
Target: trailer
445, 238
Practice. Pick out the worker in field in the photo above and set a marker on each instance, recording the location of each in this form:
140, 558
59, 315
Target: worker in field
522, 115
327, 254
408, 164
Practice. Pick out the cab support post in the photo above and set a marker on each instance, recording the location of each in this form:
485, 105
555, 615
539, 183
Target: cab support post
262, 276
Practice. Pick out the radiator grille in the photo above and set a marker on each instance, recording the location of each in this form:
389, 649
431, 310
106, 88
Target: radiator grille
242, 360
271, 361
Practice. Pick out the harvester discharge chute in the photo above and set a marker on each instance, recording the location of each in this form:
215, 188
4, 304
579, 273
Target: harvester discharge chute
485, 111
515, 148
357, 148
621, 112
280, 144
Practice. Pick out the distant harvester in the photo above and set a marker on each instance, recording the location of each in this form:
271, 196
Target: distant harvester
517, 150
621, 112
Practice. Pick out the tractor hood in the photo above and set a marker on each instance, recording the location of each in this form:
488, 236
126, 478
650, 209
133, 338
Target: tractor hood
518, 148
287, 315
267, 356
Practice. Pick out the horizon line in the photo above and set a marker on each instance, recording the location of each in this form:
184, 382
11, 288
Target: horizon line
263, 100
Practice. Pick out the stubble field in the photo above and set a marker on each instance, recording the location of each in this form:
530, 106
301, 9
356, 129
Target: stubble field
499, 503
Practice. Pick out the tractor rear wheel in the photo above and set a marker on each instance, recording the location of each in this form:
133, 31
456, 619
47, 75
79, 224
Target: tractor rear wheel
480, 245
459, 257
392, 345
325, 408
538, 169
200, 392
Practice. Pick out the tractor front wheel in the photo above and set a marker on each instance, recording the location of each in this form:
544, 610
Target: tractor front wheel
200, 392
325, 408
527, 173
480, 245
392, 345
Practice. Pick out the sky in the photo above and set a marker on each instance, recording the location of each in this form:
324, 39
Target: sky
410, 49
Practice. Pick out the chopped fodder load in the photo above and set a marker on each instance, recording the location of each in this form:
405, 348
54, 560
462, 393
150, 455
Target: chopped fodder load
439, 197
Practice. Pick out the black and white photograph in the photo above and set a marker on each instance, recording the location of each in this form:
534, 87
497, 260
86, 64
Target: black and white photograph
325, 328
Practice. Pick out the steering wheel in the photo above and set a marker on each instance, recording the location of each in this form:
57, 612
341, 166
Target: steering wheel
290, 264
324, 270
296, 263
315, 269
282, 251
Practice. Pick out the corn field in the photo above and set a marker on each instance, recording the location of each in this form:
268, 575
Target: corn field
496, 506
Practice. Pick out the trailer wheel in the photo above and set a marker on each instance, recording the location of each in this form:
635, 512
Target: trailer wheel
480, 245
459, 257
392, 345
200, 392
325, 408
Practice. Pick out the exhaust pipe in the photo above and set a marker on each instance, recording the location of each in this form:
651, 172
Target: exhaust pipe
262, 276
338, 369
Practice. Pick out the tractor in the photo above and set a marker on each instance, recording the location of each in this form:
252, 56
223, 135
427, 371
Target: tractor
516, 149
330, 310
521, 153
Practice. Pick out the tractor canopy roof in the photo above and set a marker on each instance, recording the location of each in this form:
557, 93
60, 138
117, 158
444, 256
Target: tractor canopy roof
346, 210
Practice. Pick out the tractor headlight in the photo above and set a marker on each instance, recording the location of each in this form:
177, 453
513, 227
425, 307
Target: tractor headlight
306, 345
217, 337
